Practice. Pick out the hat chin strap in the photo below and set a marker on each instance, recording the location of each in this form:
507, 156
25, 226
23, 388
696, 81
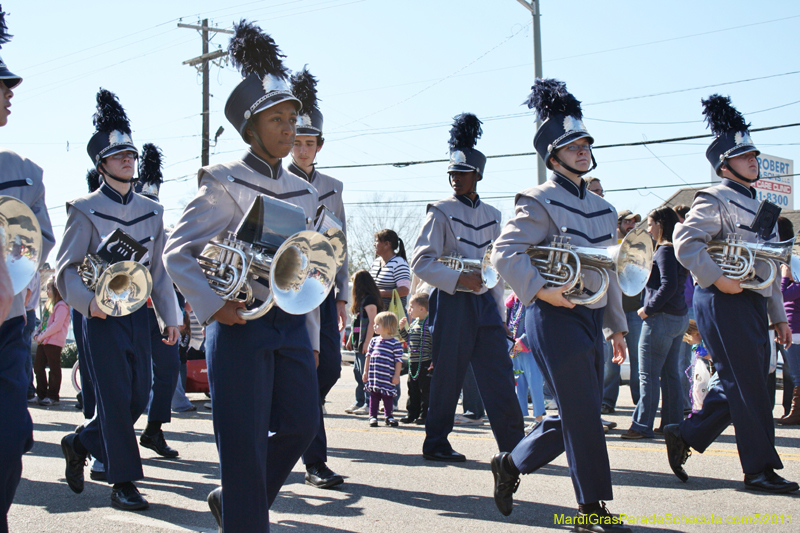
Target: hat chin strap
742, 177
112, 176
575, 171
474, 185
255, 135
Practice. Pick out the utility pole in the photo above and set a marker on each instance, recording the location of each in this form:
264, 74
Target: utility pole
533, 7
201, 63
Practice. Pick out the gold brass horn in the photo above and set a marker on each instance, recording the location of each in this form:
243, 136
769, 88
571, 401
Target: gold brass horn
484, 267
562, 264
21, 241
738, 259
120, 288
300, 273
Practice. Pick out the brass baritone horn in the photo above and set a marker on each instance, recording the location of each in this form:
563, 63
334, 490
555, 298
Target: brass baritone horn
21, 241
120, 288
484, 267
738, 259
563, 264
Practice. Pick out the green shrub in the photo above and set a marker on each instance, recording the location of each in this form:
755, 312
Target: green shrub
69, 355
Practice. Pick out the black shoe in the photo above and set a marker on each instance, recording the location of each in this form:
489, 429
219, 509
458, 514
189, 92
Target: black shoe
600, 521
214, 500
158, 444
505, 484
448, 457
420, 421
606, 410
769, 481
127, 498
408, 420
98, 475
677, 451
391, 422
75, 463
320, 476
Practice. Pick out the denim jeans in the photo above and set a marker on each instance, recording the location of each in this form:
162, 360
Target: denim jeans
684, 362
611, 370
180, 402
659, 349
472, 402
791, 365
358, 371
530, 380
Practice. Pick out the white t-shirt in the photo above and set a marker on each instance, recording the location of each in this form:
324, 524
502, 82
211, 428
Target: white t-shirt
395, 273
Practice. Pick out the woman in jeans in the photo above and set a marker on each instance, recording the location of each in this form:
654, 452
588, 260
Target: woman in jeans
664, 312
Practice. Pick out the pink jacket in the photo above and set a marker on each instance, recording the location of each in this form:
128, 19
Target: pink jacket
57, 325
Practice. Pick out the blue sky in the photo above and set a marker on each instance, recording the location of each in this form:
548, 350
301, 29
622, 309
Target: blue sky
392, 76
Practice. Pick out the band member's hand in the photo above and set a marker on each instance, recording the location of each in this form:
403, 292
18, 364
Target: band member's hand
641, 313
554, 296
228, 314
341, 312
172, 336
620, 348
728, 285
403, 323
316, 358
6, 292
95, 310
783, 334
470, 280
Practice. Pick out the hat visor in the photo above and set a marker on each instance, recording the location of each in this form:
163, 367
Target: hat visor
117, 148
743, 149
276, 99
460, 167
572, 137
305, 130
9, 78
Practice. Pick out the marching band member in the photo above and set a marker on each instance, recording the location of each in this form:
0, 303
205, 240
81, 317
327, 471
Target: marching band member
166, 359
467, 318
734, 322
333, 316
21, 179
566, 339
261, 372
117, 349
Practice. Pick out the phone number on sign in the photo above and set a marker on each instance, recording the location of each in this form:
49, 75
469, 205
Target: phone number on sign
756, 519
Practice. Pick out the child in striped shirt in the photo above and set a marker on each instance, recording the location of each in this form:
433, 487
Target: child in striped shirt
382, 368
420, 365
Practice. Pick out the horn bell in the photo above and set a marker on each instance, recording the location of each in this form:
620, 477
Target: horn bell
123, 288
634, 261
21, 241
302, 273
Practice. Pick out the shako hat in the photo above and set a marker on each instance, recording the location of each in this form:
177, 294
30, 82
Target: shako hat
150, 176
304, 87
561, 116
9, 78
464, 136
113, 129
258, 58
732, 132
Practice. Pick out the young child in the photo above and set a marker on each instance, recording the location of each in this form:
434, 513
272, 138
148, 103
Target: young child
701, 378
420, 364
382, 367
51, 342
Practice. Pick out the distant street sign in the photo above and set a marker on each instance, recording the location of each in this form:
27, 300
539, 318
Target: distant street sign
776, 184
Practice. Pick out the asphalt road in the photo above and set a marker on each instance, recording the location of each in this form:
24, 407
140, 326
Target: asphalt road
389, 486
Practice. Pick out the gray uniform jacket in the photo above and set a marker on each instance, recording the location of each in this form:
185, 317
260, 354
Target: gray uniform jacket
225, 193
456, 225
558, 207
21, 178
717, 212
93, 217
330, 195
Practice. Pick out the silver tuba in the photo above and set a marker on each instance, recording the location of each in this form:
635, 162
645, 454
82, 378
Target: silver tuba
119, 288
738, 259
562, 264
484, 267
299, 273
21, 241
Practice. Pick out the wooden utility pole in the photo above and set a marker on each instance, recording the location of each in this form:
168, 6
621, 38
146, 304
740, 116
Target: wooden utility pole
533, 7
201, 63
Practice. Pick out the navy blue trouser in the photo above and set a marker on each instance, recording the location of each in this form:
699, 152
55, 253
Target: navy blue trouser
118, 350
467, 328
16, 436
262, 378
87, 387
568, 347
735, 330
328, 373
166, 367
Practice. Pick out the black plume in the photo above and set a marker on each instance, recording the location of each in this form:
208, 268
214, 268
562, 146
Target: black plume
110, 115
721, 116
550, 96
466, 131
304, 87
4, 35
93, 179
253, 51
150, 164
